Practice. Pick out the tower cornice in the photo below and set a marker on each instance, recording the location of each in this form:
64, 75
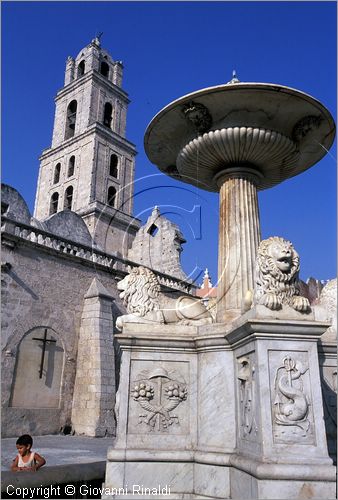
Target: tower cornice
96, 77
105, 212
102, 131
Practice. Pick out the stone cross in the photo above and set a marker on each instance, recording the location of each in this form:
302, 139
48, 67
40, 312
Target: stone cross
44, 341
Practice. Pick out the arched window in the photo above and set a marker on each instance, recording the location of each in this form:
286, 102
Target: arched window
81, 68
54, 203
111, 196
153, 230
71, 166
113, 165
57, 171
104, 69
71, 119
107, 116
68, 198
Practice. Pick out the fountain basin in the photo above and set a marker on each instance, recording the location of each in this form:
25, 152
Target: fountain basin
278, 130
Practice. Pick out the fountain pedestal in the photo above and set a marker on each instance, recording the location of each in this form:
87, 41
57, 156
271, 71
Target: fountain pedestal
239, 236
227, 433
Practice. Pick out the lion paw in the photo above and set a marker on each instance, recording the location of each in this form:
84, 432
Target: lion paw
301, 304
271, 301
185, 322
119, 323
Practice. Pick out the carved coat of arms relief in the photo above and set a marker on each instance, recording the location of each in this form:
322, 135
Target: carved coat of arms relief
158, 394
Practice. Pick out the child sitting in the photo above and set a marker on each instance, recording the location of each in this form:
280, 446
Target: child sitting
26, 460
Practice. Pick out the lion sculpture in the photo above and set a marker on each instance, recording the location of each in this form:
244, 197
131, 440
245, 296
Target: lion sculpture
277, 270
140, 291
328, 300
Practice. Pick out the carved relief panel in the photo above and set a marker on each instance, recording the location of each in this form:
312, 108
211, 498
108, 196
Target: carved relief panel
159, 398
291, 399
246, 395
329, 393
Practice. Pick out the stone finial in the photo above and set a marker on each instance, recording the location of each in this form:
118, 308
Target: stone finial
97, 40
206, 280
96, 289
156, 212
234, 78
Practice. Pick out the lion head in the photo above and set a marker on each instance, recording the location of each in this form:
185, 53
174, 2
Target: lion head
139, 291
277, 269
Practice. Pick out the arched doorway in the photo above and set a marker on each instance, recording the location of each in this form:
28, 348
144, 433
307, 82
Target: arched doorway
38, 371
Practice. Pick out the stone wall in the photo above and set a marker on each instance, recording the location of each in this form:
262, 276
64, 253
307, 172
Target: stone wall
45, 278
42, 289
158, 245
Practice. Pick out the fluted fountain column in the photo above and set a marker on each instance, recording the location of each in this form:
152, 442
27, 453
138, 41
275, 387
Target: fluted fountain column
236, 139
239, 236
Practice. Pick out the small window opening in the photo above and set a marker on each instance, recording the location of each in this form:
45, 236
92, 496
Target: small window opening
104, 69
107, 116
71, 119
111, 196
4, 208
81, 69
54, 203
68, 198
57, 173
113, 165
71, 166
153, 230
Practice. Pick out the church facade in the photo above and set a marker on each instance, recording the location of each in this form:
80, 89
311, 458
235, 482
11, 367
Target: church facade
61, 265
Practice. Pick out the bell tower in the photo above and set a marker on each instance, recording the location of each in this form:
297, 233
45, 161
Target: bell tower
90, 165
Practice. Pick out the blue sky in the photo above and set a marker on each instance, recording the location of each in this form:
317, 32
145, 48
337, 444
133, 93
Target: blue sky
170, 49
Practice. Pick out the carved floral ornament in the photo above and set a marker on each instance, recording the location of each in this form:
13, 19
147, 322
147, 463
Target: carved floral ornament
159, 395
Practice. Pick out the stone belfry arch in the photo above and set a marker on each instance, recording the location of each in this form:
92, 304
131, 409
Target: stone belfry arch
88, 138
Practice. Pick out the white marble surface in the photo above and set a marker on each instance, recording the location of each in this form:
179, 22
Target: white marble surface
242, 105
216, 397
212, 481
229, 372
239, 236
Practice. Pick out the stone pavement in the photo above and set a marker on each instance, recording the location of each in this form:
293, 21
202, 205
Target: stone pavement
60, 450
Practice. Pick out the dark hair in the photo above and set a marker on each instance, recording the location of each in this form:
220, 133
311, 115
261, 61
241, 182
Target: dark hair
25, 440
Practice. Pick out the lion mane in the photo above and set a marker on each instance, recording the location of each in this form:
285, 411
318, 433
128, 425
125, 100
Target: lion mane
270, 279
142, 297
141, 294
276, 286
